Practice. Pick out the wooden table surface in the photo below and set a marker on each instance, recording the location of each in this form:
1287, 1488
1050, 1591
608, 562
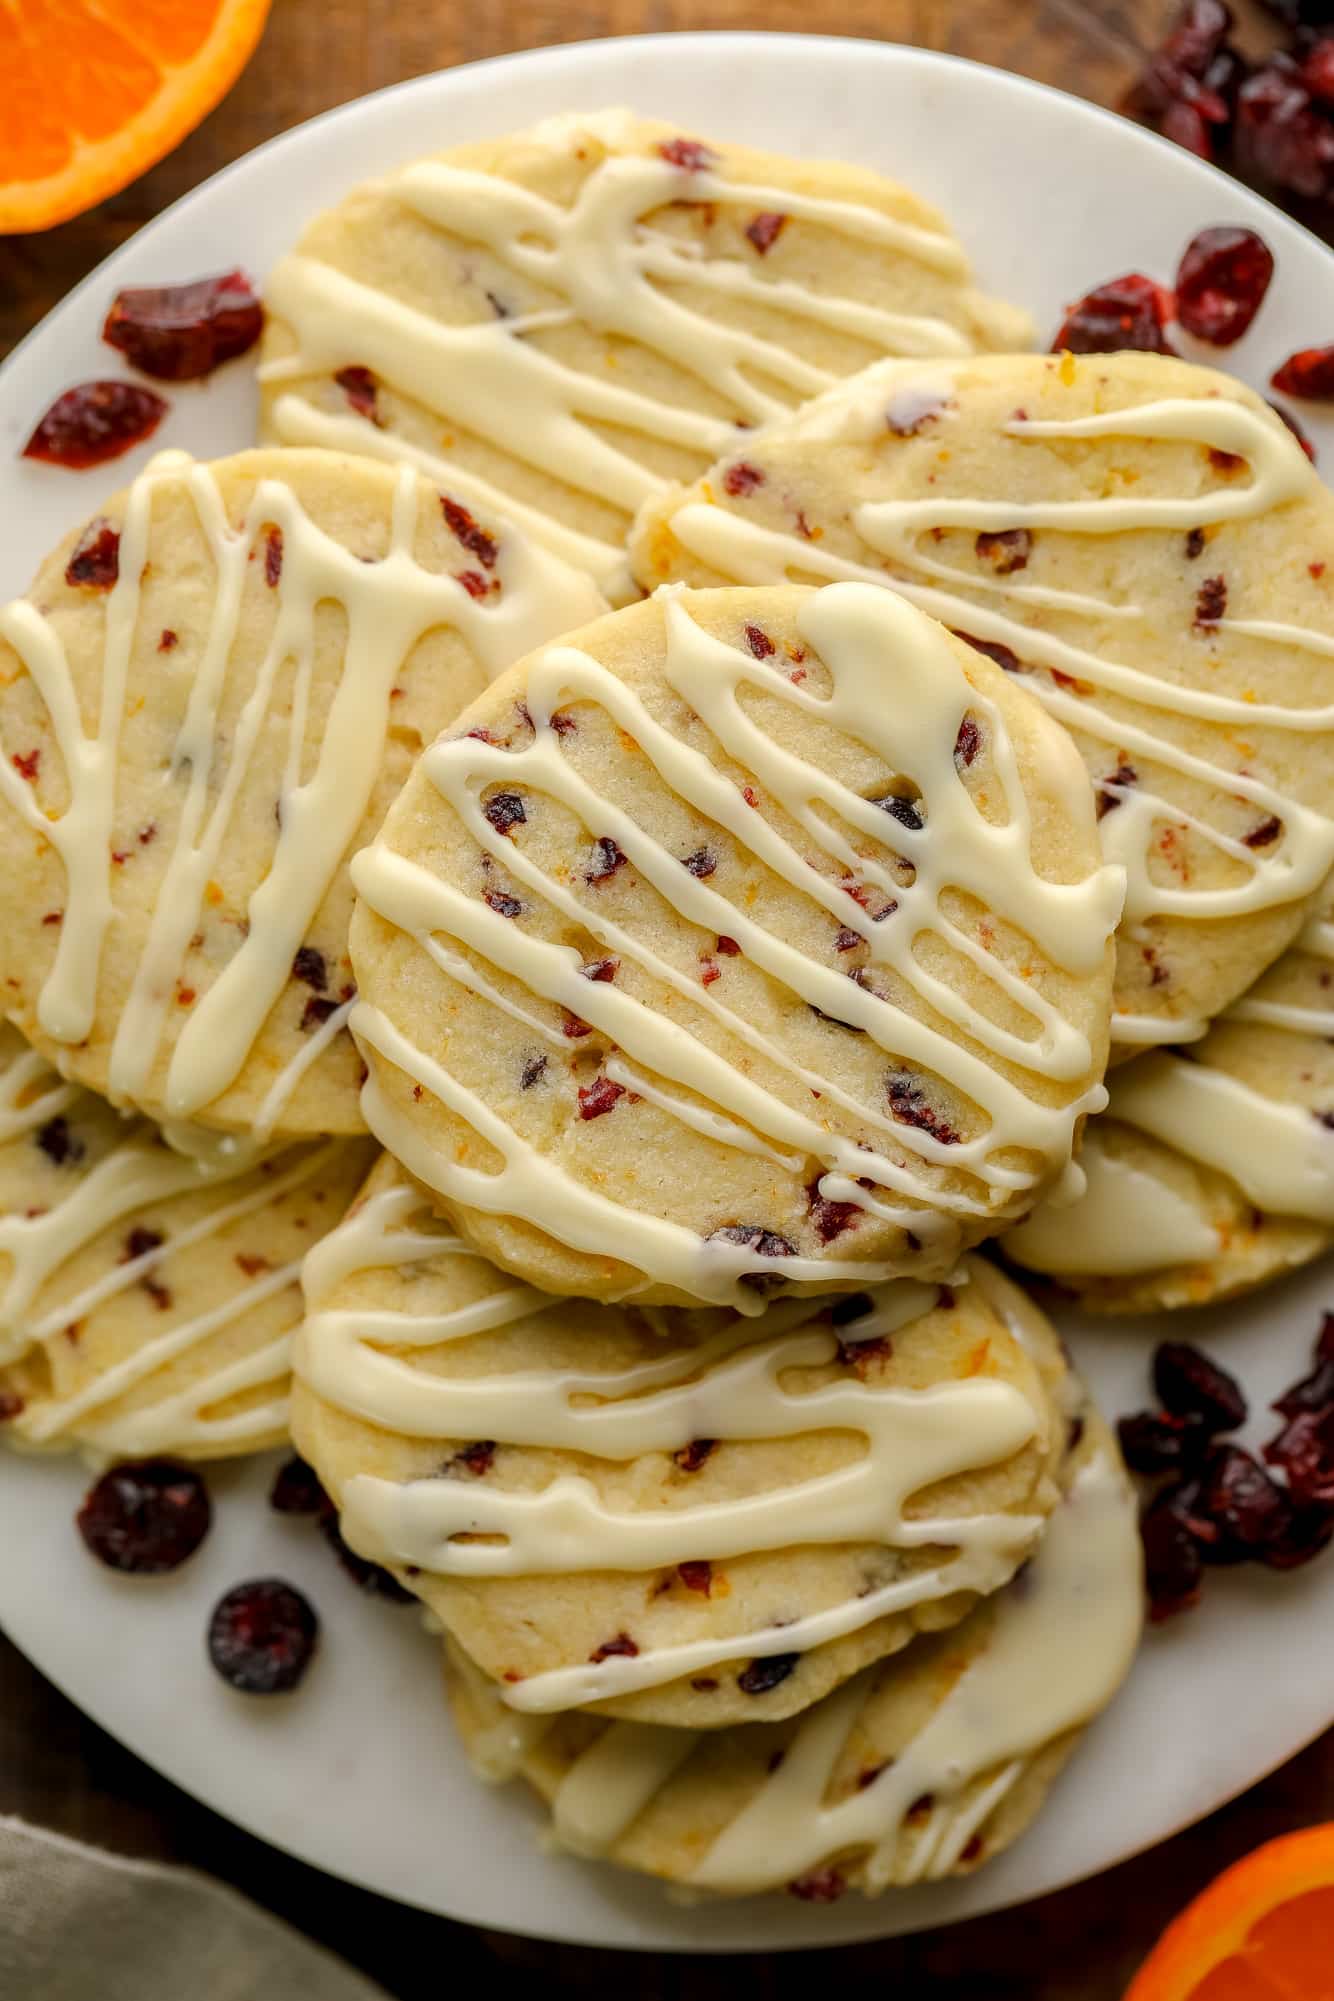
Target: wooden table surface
56, 1767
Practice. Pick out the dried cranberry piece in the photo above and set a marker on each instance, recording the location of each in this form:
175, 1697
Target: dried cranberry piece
907, 812
372, 1578
505, 810
178, 333
57, 1142
691, 154
765, 1673
145, 1516
1280, 135
1006, 551
95, 564
1173, 1568
1210, 602
909, 1105
1304, 1450
94, 423
604, 859
1126, 312
755, 1237
742, 478
296, 1489
1154, 1443
1308, 1531
262, 1635
818, 1886
310, 965
1324, 1341
476, 1458
620, 1644
1188, 1383
362, 391
1185, 124
1194, 40
1313, 1392
463, 527
599, 1097
1318, 69
967, 743
1004, 656
317, 1011
1221, 283
1309, 374
763, 230
692, 1456
1238, 1496
831, 1219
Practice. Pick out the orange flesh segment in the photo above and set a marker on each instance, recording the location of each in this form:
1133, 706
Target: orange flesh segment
1264, 1931
96, 90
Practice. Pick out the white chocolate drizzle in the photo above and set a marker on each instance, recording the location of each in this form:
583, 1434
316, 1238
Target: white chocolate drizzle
1050, 1652
140, 1174
1061, 1641
727, 1387
1010, 613
870, 644
605, 267
1127, 1220
389, 604
1278, 1152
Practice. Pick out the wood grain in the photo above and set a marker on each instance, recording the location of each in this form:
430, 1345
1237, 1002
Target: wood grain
58, 1768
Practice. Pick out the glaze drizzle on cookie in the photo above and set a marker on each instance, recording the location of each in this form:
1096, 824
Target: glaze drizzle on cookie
389, 605
728, 1386
601, 263
870, 644
1287, 851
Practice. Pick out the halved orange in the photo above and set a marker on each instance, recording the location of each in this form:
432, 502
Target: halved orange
95, 91
1262, 1931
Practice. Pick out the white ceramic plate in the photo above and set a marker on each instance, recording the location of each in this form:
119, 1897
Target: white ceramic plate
359, 1773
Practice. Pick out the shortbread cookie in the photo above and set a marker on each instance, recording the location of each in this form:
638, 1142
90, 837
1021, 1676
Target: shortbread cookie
747, 939
692, 1518
1212, 1172
207, 700
147, 1296
557, 323
921, 1767
1146, 547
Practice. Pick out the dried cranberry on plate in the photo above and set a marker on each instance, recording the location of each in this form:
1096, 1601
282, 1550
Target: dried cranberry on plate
1221, 283
95, 422
1127, 312
262, 1636
179, 333
145, 1516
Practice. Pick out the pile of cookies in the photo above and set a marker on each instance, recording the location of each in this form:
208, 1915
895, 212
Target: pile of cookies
556, 901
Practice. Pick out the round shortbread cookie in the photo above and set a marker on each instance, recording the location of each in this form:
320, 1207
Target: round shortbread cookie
921, 1767
147, 1296
1146, 546
747, 939
692, 1518
207, 700
1214, 1171
559, 322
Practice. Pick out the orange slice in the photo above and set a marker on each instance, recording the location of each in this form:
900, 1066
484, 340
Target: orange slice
1262, 1931
96, 90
